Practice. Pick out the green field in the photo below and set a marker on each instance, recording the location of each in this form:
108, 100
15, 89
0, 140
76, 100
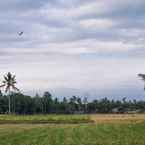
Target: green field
37, 119
92, 133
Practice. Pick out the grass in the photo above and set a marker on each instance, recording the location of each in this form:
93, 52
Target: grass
38, 119
71, 119
105, 130
118, 118
91, 134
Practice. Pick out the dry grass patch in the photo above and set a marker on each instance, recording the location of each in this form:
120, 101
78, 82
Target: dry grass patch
119, 118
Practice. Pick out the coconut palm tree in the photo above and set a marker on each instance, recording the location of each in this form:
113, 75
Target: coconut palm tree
143, 78
9, 84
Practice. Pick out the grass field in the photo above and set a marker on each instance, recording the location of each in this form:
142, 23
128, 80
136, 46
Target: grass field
118, 118
102, 130
38, 119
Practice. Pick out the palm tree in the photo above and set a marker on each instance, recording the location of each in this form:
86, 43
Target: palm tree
143, 78
9, 84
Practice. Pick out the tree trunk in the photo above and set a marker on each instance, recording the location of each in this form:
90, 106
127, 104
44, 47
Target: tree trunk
9, 102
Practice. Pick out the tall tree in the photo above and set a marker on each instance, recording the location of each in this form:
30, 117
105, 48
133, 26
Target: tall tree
47, 102
85, 102
9, 84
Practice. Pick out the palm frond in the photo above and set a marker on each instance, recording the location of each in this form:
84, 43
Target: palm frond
9, 76
13, 77
142, 76
5, 78
7, 89
15, 88
4, 82
2, 85
13, 82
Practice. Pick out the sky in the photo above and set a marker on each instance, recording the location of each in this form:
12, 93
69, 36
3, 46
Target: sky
92, 48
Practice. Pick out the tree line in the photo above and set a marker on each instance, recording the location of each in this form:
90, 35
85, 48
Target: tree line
18, 103
47, 104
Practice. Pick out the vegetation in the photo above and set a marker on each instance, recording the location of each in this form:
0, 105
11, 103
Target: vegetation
47, 104
91, 134
18, 103
22, 104
39, 119
142, 76
71, 119
101, 129
9, 83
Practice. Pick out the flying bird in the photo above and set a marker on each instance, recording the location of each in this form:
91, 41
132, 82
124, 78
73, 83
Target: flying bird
20, 33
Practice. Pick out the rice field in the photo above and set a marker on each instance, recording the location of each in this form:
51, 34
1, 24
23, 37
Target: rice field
38, 119
100, 130
118, 118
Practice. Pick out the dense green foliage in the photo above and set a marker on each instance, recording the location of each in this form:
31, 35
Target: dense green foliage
99, 134
46, 104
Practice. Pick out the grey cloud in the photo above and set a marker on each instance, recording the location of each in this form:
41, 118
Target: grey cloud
42, 28
22, 5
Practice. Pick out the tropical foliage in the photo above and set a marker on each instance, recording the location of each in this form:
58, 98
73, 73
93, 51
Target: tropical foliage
18, 103
47, 104
9, 84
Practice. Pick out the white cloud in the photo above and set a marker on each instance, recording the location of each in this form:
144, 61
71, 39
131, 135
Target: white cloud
82, 44
96, 23
80, 47
92, 73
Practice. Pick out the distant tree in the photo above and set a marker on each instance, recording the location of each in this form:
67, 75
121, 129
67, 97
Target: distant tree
3, 103
65, 100
47, 102
65, 106
79, 104
38, 105
72, 104
55, 105
9, 84
85, 102
73, 99
24, 104
104, 106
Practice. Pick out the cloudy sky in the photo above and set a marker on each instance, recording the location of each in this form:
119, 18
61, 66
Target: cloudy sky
91, 48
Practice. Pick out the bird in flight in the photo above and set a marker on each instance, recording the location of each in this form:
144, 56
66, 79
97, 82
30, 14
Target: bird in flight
20, 33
